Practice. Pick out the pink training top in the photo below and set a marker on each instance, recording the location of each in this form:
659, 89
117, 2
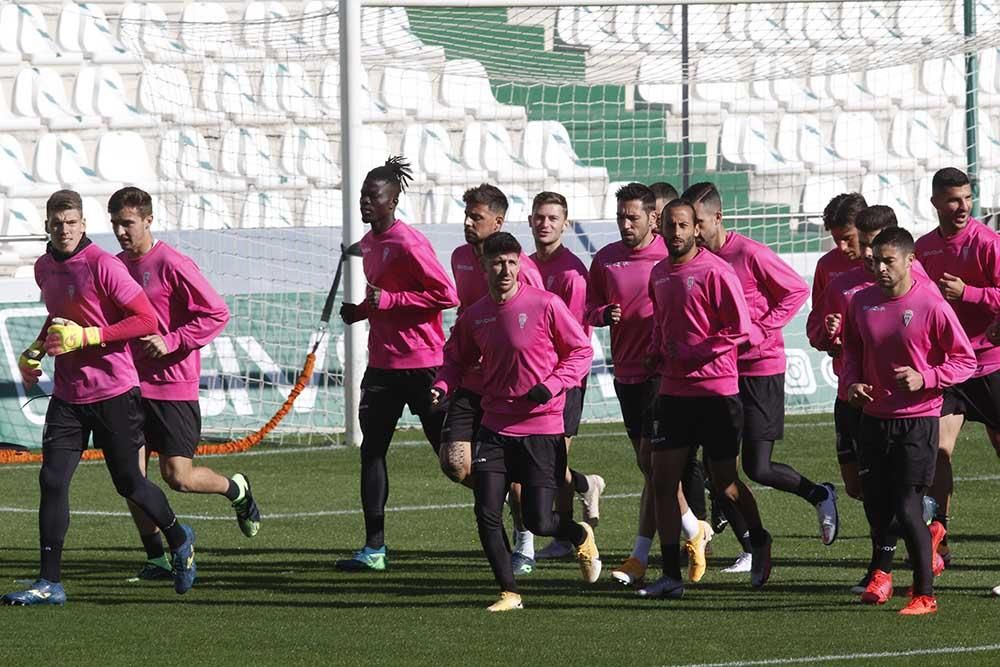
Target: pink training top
829, 266
189, 315
917, 329
774, 292
470, 280
405, 330
699, 309
565, 275
620, 275
530, 339
973, 254
93, 289
836, 300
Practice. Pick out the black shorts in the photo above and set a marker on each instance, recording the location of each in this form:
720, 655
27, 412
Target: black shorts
464, 414
898, 451
714, 422
172, 428
976, 398
637, 402
384, 392
532, 460
116, 424
573, 410
846, 422
763, 398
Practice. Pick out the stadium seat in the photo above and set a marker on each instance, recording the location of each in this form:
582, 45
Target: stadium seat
989, 92
321, 27
944, 78
40, 92
33, 37
205, 211
396, 37
372, 111
518, 203
429, 146
774, 27
205, 30
887, 189
856, 136
266, 209
819, 23
546, 144
922, 22
488, 146
465, 86
922, 140
874, 21
925, 215
444, 205
184, 157
609, 210
268, 23
61, 160
812, 147
704, 23
722, 79
16, 179
816, 194
84, 28
165, 90
122, 157
226, 89
306, 151
847, 87
246, 153
580, 202
10, 54
324, 208
375, 148
660, 82
896, 83
654, 29
97, 217
791, 85
143, 25
986, 135
100, 91
285, 87
591, 28
413, 91
22, 218
757, 149
13, 122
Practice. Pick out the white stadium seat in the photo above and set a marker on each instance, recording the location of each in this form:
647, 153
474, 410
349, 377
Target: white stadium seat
246, 153
444, 205
40, 92
413, 91
757, 149
266, 209
11, 121
143, 25
793, 87
122, 157
285, 88
33, 37
96, 215
856, 136
816, 194
489, 146
205, 30
61, 160
16, 179
22, 218
546, 145
659, 81
226, 88
518, 203
722, 80
100, 91
166, 91
847, 86
815, 149
465, 85
887, 189
205, 211
84, 27
395, 35
185, 157
429, 146
324, 208
268, 22
306, 151
371, 109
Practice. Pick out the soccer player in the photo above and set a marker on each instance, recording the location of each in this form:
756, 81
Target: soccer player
407, 290
962, 256
701, 319
531, 350
902, 346
664, 193
774, 292
617, 296
485, 211
189, 314
94, 308
565, 275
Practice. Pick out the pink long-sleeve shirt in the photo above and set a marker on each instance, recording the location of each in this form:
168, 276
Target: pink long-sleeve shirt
973, 254
405, 329
836, 300
93, 289
774, 292
620, 275
829, 266
698, 309
470, 282
189, 313
565, 275
918, 329
530, 339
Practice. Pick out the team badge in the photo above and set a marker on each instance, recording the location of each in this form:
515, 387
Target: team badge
522, 319
385, 254
549, 281
72, 291
690, 282
907, 316
145, 278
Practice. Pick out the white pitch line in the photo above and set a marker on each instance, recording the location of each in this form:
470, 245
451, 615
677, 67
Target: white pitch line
948, 650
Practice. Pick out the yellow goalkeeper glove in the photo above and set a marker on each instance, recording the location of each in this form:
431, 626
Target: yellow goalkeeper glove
66, 336
30, 364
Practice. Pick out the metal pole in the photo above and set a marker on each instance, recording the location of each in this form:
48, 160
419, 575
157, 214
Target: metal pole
971, 104
356, 336
685, 102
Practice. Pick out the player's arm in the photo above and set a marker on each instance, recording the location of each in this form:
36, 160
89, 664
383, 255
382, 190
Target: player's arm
734, 317
960, 360
822, 337
460, 353
576, 294
858, 392
654, 355
209, 314
599, 312
529, 273
436, 291
988, 295
30, 361
787, 291
815, 324
572, 346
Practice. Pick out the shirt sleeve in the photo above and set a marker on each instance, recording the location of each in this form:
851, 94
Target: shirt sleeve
853, 354
960, 360
208, 312
988, 295
819, 337
460, 353
654, 338
436, 289
576, 297
114, 280
596, 297
734, 318
572, 346
786, 289
815, 325
530, 275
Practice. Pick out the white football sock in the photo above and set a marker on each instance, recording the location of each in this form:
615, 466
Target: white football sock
524, 543
689, 525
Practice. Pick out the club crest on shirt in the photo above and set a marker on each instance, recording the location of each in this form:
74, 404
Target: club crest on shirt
549, 281
965, 252
522, 319
690, 282
71, 290
907, 316
145, 278
385, 254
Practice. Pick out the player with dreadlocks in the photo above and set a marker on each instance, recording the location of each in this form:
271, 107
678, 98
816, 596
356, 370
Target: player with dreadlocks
407, 290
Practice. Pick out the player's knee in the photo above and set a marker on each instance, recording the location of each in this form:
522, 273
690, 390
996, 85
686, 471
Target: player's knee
177, 481
126, 485
489, 517
454, 463
51, 482
539, 521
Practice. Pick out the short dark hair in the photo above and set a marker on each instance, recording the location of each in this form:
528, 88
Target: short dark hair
896, 237
703, 193
396, 170
842, 210
548, 197
131, 197
663, 190
679, 203
949, 177
489, 195
875, 219
637, 191
63, 200
500, 243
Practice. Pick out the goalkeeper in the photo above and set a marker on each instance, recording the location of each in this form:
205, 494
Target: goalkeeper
94, 308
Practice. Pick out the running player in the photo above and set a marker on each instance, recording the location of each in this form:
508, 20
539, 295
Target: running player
617, 296
701, 319
189, 315
565, 275
94, 309
531, 350
962, 256
902, 346
407, 290
774, 292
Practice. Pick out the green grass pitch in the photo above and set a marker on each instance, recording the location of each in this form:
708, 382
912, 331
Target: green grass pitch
277, 599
